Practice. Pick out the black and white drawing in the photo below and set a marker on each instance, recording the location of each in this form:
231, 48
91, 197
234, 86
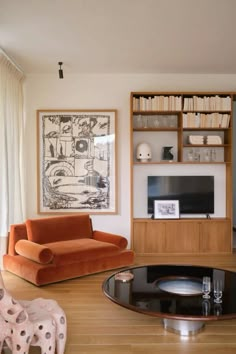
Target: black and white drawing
166, 209
77, 167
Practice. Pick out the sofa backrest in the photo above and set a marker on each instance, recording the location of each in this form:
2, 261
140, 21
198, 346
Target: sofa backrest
60, 228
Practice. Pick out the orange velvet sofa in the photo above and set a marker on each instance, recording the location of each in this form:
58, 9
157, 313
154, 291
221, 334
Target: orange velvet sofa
53, 249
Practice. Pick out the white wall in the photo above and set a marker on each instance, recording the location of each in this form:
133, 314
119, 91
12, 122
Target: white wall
140, 185
100, 92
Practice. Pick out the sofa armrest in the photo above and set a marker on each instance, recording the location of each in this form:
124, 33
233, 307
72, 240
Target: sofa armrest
34, 251
117, 240
17, 232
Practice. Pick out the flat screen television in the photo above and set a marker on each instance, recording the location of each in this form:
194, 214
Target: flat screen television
195, 193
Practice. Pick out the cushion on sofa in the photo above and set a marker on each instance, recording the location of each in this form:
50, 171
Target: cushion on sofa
117, 240
68, 252
34, 251
60, 228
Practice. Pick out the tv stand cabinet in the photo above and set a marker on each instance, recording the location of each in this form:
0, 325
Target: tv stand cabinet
176, 119
182, 236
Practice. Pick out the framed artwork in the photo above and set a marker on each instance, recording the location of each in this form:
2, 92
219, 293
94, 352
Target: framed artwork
166, 209
77, 161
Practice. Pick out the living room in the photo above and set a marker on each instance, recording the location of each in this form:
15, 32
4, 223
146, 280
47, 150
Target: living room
190, 54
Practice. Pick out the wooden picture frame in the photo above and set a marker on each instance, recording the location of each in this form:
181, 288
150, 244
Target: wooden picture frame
166, 209
77, 162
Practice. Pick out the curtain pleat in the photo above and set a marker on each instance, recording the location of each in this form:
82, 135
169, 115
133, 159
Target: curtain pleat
11, 146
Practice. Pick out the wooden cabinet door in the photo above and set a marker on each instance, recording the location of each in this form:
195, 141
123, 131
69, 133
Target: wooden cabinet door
156, 236
148, 237
216, 237
139, 237
182, 236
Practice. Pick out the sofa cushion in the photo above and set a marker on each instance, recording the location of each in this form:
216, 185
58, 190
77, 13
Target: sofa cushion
60, 228
34, 251
68, 252
117, 240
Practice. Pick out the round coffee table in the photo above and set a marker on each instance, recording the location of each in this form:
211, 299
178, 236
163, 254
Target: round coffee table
173, 293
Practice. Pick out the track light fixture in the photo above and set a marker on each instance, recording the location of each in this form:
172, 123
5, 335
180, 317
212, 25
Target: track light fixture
60, 70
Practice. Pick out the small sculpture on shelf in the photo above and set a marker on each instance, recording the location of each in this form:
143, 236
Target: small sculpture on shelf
167, 153
143, 152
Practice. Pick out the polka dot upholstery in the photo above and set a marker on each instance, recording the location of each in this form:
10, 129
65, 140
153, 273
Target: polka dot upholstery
40, 322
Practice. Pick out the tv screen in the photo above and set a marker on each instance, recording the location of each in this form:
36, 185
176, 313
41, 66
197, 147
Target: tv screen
195, 193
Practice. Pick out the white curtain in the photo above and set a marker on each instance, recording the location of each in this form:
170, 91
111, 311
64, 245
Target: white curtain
11, 147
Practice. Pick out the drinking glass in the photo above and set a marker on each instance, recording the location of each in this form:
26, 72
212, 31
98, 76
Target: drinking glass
213, 154
207, 156
156, 122
206, 307
217, 309
172, 121
196, 155
144, 121
218, 290
206, 287
138, 121
190, 155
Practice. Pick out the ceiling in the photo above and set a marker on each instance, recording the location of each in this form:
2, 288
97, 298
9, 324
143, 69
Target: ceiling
120, 36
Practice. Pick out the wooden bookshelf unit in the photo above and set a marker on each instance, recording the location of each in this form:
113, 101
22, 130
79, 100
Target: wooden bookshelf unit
198, 127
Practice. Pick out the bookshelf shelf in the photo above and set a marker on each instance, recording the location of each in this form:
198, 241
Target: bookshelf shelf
205, 129
155, 129
205, 145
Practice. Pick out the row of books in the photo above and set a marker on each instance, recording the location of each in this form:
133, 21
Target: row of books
203, 120
157, 103
201, 139
207, 103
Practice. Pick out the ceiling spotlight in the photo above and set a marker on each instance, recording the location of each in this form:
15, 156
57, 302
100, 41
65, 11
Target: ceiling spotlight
60, 70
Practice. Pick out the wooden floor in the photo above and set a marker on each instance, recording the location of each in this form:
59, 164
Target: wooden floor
96, 325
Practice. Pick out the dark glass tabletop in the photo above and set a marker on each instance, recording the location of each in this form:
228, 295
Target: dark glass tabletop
173, 291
